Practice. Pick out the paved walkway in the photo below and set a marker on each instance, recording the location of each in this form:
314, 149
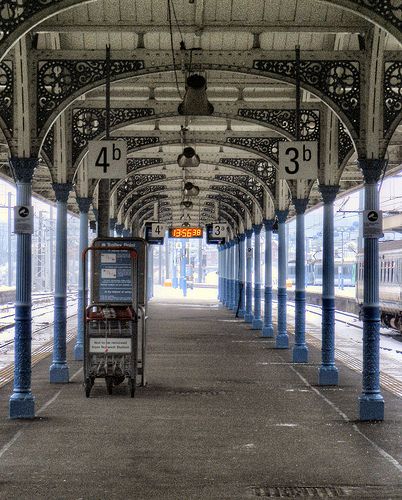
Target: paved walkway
225, 415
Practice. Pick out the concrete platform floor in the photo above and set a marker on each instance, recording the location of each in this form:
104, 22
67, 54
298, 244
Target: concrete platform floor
224, 415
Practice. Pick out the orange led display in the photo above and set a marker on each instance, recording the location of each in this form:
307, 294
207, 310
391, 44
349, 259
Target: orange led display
185, 232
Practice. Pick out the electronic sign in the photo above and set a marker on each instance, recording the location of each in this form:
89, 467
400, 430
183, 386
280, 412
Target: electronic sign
185, 232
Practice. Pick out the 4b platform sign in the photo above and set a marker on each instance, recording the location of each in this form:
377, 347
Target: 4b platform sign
298, 160
107, 159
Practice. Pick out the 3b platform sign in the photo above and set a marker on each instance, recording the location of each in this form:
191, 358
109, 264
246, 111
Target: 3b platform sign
298, 160
107, 159
219, 231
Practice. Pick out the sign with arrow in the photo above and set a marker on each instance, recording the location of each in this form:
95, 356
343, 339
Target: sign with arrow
107, 159
372, 224
23, 219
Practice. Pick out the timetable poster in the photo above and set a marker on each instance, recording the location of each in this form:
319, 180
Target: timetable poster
115, 276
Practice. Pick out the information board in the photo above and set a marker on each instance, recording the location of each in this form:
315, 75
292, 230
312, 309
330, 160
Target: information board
116, 279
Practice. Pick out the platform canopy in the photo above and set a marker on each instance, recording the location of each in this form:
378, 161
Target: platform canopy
350, 73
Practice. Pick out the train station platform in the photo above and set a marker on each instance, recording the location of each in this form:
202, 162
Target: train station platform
224, 415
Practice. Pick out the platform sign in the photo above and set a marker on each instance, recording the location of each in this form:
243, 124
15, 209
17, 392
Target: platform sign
23, 219
109, 345
249, 253
372, 224
107, 159
158, 230
298, 160
219, 231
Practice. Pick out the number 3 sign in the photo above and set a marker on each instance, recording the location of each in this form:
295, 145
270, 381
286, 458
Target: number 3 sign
298, 160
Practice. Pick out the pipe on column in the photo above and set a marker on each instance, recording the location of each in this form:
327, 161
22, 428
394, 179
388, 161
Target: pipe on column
219, 273
183, 267
224, 269
268, 329
257, 321
58, 371
175, 282
282, 337
300, 350
22, 402
371, 401
235, 274
248, 316
150, 271
328, 373
242, 275
232, 275
83, 206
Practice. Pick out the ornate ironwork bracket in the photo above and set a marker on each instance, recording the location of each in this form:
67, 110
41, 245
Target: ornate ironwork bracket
262, 169
265, 145
230, 202
339, 81
60, 79
247, 183
392, 93
7, 94
135, 181
237, 193
285, 119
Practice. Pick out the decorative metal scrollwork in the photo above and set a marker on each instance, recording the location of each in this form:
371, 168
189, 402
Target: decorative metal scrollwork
134, 164
135, 205
228, 201
285, 119
345, 143
337, 80
265, 145
133, 182
60, 79
48, 145
245, 182
240, 195
392, 92
390, 10
260, 168
6, 94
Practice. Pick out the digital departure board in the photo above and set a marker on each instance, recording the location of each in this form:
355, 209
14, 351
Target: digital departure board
185, 232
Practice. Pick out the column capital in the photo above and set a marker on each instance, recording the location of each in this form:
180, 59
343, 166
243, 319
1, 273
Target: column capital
23, 168
300, 205
248, 233
257, 228
84, 203
242, 237
268, 224
372, 169
281, 215
62, 190
328, 193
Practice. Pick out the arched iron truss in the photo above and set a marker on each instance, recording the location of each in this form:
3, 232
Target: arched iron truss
20, 17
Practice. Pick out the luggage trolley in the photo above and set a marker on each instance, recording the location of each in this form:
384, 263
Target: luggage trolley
111, 317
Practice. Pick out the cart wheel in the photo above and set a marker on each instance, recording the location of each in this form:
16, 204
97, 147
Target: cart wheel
131, 384
88, 387
109, 384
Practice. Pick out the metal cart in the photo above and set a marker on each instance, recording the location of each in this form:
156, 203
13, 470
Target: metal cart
111, 317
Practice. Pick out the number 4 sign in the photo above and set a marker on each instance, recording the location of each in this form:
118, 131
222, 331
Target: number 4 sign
298, 160
107, 159
158, 230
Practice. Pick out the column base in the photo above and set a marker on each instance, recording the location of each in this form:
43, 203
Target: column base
59, 373
268, 331
300, 354
371, 407
282, 341
78, 352
22, 405
248, 318
241, 313
257, 324
328, 375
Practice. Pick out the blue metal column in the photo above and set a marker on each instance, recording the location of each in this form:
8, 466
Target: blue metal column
257, 321
112, 225
58, 371
236, 273
242, 274
83, 205
219, 272
268, 329
282, 338
22, 403
183, 266
231, 276
248, 316
175, 281
300, 350
150, 276
328, 373
224, 281
119, 230
371, 402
